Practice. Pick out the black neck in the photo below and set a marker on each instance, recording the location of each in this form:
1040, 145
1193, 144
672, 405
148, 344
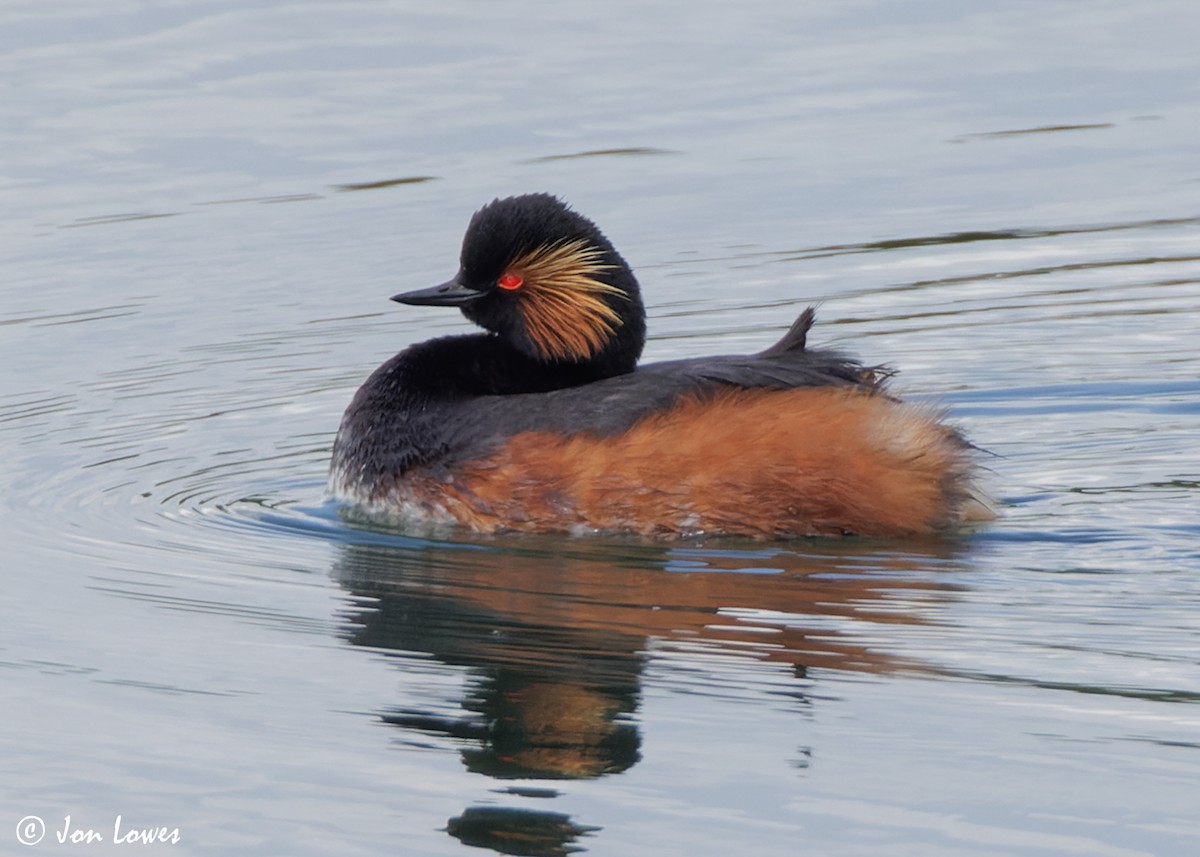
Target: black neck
484, 364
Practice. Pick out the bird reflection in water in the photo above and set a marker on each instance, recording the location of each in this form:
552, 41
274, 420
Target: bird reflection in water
555, 637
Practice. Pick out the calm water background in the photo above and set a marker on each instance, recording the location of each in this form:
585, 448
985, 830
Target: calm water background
204, 208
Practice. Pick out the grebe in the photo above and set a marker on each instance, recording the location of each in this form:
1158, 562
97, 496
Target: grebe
546, 423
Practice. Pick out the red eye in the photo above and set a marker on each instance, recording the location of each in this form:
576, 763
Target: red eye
510, 281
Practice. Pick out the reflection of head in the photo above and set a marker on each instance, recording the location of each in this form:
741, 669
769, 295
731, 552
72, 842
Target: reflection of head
550, 730
548, 702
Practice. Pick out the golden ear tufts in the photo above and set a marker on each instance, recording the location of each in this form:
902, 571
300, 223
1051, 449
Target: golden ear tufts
563, 302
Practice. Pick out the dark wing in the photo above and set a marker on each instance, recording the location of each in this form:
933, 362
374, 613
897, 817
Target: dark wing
613, 405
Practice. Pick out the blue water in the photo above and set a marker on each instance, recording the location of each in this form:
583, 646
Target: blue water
205, 207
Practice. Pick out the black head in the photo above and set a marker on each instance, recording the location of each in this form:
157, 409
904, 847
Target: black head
545, 279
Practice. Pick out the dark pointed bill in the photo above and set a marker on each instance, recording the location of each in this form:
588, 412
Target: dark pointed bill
449, 293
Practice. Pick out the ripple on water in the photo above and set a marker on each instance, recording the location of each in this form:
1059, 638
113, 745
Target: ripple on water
165, 457
210, 208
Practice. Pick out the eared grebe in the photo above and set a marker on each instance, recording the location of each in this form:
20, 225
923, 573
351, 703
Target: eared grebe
546, 423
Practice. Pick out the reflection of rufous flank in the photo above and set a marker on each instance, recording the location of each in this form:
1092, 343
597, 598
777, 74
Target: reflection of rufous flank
590, 594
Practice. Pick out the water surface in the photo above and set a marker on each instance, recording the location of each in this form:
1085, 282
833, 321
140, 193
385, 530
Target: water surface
206, 207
